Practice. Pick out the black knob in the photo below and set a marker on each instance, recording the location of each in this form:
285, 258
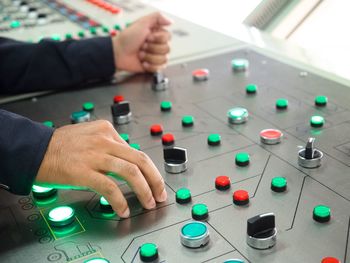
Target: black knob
175, 159
261, 231
121, 112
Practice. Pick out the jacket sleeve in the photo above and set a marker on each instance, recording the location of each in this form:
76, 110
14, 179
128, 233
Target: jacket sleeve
23, 144
52, 65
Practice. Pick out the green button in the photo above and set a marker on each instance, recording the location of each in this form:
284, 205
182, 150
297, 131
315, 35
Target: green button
237, 115
251, 88
148, 252
165, 105
239, 64
42, 192
68, 36
322, 211
200, 209
103, 201
194, 230
187, 120
279, 184
105, 29
61, 216
97, 260
125, 137
242, 159
281, 103
56, 37
214, 139
234, 261
49, 124
183, 196
81, 34
117, 27
321, 101
15, 24
317, 121
135, 146
88, 106
93, 30
80, 116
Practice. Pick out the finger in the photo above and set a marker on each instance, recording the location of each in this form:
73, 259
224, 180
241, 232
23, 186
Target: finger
159, 36
152, 68
157, 49
156, 19
132, 174
109, 190
105, 128
153, 59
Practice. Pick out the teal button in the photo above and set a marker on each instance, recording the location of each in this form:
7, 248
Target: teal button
97, 260
80, 116
15, 24
194, 230
136, 146
234, 261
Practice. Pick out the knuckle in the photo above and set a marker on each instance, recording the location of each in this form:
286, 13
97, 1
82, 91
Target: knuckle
109, 188
143, 159
105, 125
131, 170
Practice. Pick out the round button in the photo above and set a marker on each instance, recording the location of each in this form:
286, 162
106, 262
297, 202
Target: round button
239, 64
81, 34
271, 136
93, 30
136, 146
80, 116
200, 212
165, 106
168, 139
156, 129
43, 192
113, 33
105, 29
104, 205
251, 88
200, 74
240, 197
321, 101
279, 184
15, 24
49, 124
183, 196
281, 104
317, 121
194, 235
117, 27
222, 182
56, 37
242, 159
237, 115
118, 98
234, 261
97, 260
321, 213
125, 137
214, 139
148, 252
68, 36
61, 216
330, 260
187, 121
88, 106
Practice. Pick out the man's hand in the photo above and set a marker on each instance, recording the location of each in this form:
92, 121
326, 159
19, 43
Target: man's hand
82, 154
144, 45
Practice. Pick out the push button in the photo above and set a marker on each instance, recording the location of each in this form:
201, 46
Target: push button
194, 235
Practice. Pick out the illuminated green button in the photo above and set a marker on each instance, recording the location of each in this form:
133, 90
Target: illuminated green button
93, 30
279, 184
49, 124
316, 121
81, 34
56, 37
237, 115
125, 137
61, 216
194, 235
97, 260
242, 159
187, 121
200, 212
43, 192
321, 101
117, 27
165, 105
80, 116
136, 146
322, 213
183, 196
239, 64
281, 104
105, 29
214, 139
234, 261
15, 24
148, 252
88, 106
251, 88
104, 205
68, 36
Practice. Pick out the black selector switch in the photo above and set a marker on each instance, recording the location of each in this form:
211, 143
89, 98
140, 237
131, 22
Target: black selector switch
159, 82
121, 113
175, 160
310, 157
261, 231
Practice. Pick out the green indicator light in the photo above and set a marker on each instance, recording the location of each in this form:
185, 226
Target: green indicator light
56, 37
237, 115
104, 205
117, 27
97, 260
80, 116
125, 137
135, 146
242, 159
165, 105
321, 213
183, 196
43, 192
15, 24
317, 121
103, 201
148, 252
93, 30
321, 101
61, 216
194, 230
105, 29
200, 209
251, 88
281, 103
49, 124
81, 34
187, 121
239, 64
68, 36
234, 261
88, 106
278, 184
214, 139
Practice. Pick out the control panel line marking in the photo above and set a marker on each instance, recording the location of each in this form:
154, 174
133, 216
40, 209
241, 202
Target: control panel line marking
126, 249
52, 233
262, 174
297, 205
134, 257
347, 242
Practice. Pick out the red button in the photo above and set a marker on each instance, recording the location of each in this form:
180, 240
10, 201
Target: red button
156, 129
200, 74
330, 260
168, 139
222, 182
113, 33
118, 98
241, 197
271, 136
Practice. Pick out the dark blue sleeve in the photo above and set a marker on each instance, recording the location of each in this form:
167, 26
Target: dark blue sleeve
52, 65
23, 144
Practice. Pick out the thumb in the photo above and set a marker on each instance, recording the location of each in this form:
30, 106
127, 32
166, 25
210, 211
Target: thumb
157, 20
